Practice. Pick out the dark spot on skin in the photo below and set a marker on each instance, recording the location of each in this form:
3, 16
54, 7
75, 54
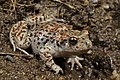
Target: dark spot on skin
29, 39
62, 42
57, 42
24, 27
49, 60
52, 41
46, 30
48, 48
52, 29
36, 18
38, 43
22, 35
44, 18
21, 38
44, 35
42, 39
18, 34
28, 43
54, 46
48, 56
83, 38
53, 33
40, 19
40, 33
37, 47
52, 64
15, 25
77, 47
38, 38
28, 26
51, 24
46, 41
31, 34
44, 48
51, 37
49, 33
35, 35
25, 41
40, 47
34, 40
20, 23
32, 19
23, 31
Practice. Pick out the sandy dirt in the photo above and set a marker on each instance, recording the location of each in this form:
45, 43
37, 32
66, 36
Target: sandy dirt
100, 17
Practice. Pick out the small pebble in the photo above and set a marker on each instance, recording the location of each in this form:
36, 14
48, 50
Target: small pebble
9, 58
94, 1
89, 52
61, 78
1, 49
106, 6
1, 71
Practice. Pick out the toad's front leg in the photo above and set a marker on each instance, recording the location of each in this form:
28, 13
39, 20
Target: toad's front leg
46, 56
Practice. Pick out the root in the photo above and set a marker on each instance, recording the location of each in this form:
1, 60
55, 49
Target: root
13, 54
68, 5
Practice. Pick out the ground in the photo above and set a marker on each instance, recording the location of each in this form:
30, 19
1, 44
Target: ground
100, 17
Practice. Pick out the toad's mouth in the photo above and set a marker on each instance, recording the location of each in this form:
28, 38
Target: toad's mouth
70, 53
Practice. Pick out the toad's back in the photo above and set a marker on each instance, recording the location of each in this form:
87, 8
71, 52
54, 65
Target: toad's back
54, 36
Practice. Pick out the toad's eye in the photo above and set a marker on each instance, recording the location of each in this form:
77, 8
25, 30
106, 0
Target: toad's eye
73, 40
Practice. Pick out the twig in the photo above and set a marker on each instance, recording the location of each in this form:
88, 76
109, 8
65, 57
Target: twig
12, 54
24, 5
68, 5
111, 61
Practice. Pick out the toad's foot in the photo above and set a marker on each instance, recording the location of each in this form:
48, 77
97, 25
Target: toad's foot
57, 69
74, 60
50, 63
